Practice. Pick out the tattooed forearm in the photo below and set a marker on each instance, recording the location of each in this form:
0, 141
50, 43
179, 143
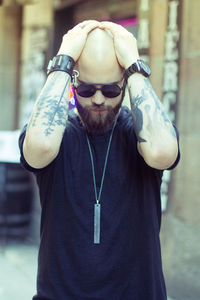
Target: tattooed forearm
138, 117
149, 116
159, 114
52, 105
55, 115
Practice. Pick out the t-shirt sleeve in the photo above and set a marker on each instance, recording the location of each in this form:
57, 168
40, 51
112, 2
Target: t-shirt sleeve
23, 162
178, 155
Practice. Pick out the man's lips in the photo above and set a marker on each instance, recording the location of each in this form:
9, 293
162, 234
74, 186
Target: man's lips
97, 110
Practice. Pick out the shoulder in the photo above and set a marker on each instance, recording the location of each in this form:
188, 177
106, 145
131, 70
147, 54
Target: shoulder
125, 114
125, 132
125, 120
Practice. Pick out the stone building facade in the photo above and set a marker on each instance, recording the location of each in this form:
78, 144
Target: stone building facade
168, 38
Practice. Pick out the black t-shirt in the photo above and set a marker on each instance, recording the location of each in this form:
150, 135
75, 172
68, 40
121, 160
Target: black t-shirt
126, 265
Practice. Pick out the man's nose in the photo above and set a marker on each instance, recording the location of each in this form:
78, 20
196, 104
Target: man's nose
98, 98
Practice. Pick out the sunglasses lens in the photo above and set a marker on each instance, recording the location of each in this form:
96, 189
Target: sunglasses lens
88, 90
111, 91
85, 90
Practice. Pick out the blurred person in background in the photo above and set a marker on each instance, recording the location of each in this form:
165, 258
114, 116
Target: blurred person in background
99, 170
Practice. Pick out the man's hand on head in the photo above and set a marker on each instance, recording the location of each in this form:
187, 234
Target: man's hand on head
74, 40
124, 42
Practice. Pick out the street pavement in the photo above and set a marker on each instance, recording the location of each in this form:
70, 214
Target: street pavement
18, 267
18, 261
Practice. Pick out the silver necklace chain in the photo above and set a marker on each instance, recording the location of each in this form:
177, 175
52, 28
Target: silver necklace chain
98, 197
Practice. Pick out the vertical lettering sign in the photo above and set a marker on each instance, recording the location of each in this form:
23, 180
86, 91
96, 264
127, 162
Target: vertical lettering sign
170, 78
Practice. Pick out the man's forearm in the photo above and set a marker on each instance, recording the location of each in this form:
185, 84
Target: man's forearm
48, 120
153, 128
51, 108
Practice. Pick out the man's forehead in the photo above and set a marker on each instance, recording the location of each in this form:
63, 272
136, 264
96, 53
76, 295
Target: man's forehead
111, 81
100, 74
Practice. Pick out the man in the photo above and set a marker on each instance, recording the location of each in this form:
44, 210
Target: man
99, 170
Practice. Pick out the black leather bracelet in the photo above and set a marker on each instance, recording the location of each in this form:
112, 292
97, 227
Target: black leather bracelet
138, 67
61, 62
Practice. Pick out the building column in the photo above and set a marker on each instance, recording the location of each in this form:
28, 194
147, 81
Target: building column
10, 30
36, 49
181, 222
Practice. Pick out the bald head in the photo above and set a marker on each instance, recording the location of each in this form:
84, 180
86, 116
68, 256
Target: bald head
98, 59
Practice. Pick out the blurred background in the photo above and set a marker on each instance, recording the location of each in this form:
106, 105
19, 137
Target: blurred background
168, 34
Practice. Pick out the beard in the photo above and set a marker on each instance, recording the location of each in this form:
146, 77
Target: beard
100, 124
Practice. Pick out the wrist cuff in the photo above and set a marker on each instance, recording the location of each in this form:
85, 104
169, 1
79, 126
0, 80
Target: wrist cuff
138, 67
61, 62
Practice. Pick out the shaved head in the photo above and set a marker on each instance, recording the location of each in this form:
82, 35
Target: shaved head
98, 62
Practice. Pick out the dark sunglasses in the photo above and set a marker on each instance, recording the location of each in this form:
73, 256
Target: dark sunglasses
110, 90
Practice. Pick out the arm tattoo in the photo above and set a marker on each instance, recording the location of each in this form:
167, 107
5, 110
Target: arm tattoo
138, 117
52, 105
147, 102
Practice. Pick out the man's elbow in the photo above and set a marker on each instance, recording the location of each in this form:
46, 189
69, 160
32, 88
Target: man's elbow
162, 159
38, 154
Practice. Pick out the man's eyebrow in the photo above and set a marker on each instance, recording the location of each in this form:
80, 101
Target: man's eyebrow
114, 82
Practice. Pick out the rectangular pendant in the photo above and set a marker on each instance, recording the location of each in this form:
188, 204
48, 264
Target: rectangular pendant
97, 211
